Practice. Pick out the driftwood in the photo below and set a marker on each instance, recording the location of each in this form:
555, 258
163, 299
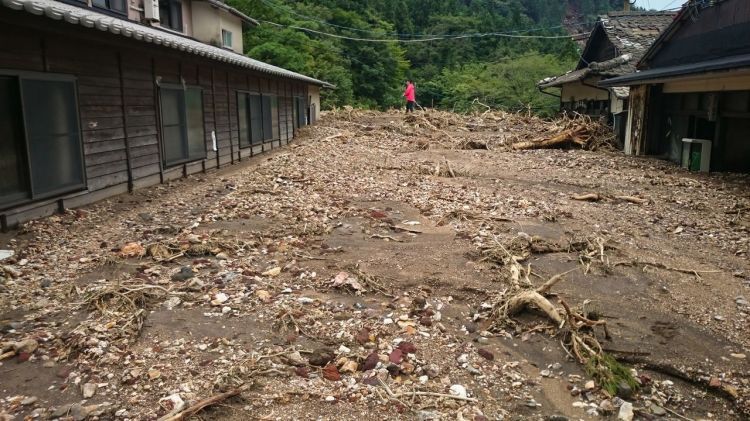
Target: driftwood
588, 197
521, 300
573, 135
204, 403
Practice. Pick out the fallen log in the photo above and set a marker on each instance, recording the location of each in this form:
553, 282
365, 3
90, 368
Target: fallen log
566, 136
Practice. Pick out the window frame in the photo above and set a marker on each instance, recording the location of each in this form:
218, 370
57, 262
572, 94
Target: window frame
111, 9
184, 131
224, 34
170, 15
49, 77
263, 140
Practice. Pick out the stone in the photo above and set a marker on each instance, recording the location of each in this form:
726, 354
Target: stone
463, 358
88, 390
349, 367
458, 390
29, 401
222, 256
545, 373
471, 327
486, 354
62, 411
657, 410
330, 372
185, 273
590, 385
428, 416
363, 336
407, 368
320, 357
263, 295
407, 348
371, 361
607, 407
396, 356
714, 382
273, 272
738, 356
624, 390
45, 283
79, 412
626, 412
219, 299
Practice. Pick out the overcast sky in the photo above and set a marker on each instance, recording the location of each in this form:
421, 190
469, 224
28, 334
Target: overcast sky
659, 4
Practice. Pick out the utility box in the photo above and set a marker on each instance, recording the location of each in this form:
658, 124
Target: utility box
696, 154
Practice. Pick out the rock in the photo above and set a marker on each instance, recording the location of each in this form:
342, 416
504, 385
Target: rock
349, 367
185, 273
88, 390
626, 412
657, 410
396, 356
45, 283
545, 373
471, 327
62, 411
371, 361
79, 412
22, 357
407, 368
486, 354
222, 256
263, 295
624, 390
463, 358
303, 372
219, 299
27, 346
407, 348
590, 385
458, 390
146, 217
172, 302
432, 371
330, 372
738, 356
29, 401
320, 357
154, 374
363, 336
393, 370
273, 272
4, 254
714, 382
557, 418
173, 403
607, 407
428, 416
132, 250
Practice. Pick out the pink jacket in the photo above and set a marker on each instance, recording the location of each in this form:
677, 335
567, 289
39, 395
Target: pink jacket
409, 93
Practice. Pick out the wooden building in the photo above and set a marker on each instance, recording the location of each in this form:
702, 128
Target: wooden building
617, 41
99, 100
691, 94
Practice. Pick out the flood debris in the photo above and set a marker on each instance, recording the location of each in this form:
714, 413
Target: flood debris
344, 276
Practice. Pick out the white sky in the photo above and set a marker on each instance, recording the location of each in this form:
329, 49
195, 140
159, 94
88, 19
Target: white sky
659, 4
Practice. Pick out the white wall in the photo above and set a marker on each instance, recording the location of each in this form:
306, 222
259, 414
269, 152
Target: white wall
208, 21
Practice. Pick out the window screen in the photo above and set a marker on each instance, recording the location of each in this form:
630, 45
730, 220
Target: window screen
256, 119
14, 180
267, 118
53, 136
243, 116
226, 38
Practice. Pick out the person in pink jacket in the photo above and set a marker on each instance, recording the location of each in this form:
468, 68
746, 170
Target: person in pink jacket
411, 96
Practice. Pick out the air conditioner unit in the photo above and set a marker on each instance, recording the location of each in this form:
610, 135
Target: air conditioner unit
151, 10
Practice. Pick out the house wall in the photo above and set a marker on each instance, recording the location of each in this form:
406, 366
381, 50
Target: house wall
314, 98
208, 22
118, 103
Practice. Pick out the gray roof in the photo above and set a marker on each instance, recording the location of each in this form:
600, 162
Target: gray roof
245, 18
90, 18
632, 33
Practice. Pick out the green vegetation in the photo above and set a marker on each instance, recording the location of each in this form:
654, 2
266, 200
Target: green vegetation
609, 373
499, 71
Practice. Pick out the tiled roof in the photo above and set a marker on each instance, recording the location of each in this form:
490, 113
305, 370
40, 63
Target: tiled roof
632, 33
90, 18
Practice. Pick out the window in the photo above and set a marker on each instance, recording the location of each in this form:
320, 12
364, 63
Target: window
40, 141
183, 134
258, 118
300, 112
295, 113
119, 6
226, 38
170, 14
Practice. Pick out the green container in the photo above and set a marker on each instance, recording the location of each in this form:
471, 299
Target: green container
695, 157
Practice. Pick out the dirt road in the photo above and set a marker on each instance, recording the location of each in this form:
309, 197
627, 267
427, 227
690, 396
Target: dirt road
352, 274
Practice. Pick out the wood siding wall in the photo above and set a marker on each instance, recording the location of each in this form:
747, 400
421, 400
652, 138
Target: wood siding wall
117, 83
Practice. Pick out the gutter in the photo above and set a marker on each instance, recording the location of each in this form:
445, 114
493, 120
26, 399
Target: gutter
541, 89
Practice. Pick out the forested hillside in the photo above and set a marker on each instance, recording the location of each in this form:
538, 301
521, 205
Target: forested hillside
449, 72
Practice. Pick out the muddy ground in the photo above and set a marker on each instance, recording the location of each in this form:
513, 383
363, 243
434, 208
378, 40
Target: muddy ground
256, 310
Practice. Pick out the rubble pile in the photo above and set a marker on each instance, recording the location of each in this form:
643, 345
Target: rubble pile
421, 267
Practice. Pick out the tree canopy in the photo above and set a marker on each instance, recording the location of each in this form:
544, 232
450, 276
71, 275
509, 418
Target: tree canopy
449, 73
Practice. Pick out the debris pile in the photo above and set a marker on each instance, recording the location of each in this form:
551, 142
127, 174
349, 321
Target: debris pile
394, 268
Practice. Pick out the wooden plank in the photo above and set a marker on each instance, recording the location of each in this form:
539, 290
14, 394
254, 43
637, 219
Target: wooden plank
85, 100
101, 123
136, 141
105, 157
90, 136
107, 180
107, 169
145, 150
